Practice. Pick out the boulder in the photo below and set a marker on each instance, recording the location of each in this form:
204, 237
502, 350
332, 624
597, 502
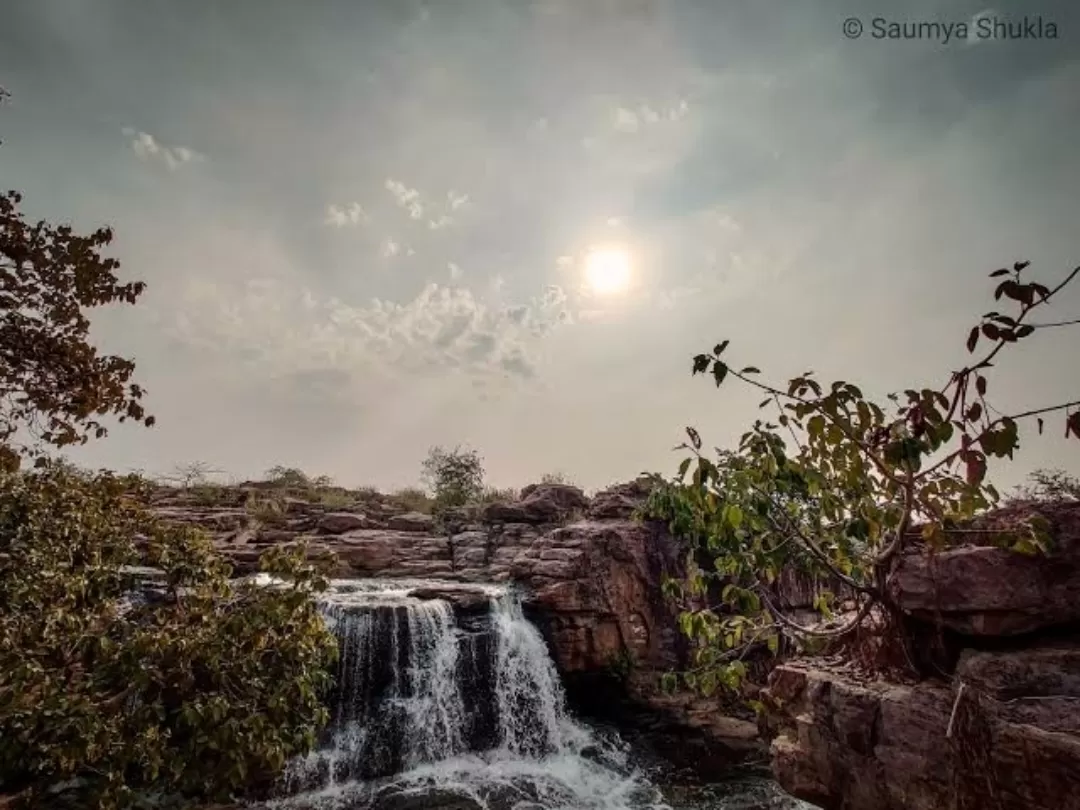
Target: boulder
341, 522
540, 503
873, 745
411, 522
986, 590
620, 501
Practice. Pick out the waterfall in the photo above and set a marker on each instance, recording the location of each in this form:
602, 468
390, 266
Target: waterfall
451, 697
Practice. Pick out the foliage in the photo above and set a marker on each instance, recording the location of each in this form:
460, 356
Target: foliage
497, 495
414, 500
1048, 485
288, 477
621, 665
204, 688
456, 477
835, 489
266, 510
556, 478
54, 386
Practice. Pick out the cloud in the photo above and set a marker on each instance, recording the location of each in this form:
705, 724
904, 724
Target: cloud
278, 329
455, 271
149, 148
390, 249
627, 119
407, 198
345, 216
437, 215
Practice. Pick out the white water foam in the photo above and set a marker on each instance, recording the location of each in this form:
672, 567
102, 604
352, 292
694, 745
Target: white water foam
542, 759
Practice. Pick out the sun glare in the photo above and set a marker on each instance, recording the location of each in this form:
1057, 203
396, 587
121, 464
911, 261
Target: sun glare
607, 270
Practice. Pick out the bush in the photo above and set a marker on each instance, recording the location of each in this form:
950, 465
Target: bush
497, 495
556, 478
203, 689
288, 478
414, 499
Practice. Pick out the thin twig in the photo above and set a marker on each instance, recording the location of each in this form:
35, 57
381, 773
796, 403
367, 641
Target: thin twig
955, 706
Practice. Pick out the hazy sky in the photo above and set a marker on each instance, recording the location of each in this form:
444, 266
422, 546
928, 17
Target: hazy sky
364, 224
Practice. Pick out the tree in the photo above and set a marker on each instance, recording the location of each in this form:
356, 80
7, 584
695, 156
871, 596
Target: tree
202, 688
456, 477
837, 488
288, 477
194, 473
54, 385
1048, 485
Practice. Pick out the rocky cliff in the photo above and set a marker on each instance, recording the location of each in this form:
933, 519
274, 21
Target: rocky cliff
591, 576
998, 730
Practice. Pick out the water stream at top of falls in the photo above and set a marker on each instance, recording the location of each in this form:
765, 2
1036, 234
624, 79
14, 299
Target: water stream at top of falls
453, 708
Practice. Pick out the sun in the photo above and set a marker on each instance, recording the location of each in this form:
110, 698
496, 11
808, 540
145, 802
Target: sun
607, 270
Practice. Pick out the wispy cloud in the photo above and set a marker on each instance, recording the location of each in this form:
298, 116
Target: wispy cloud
419, 207
147, 147
346, 216
633, 119
285, 329
407, 198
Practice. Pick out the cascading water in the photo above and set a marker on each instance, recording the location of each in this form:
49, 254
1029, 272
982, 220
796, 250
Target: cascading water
452, 707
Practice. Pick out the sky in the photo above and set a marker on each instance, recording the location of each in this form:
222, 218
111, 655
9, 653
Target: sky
368, 228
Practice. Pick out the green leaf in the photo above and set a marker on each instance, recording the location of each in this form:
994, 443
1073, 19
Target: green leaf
718, 349
751, 370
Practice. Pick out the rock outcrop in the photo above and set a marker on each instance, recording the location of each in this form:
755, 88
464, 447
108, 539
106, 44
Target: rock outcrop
1000, 731
986, 590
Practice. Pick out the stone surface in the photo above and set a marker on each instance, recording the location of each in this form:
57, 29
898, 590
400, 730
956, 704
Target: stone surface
619, 501
411, 522
984, 590
540, 504
341, 522
852, 745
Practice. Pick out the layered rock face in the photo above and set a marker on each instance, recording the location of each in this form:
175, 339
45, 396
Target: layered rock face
1000, 731
591, 577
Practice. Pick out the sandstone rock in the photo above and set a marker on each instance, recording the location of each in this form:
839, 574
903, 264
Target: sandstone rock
463, 599
541, 503
983, 590
298, 506
268, 535
226, 519
881, 746
411, 522
341, 522
620, 501
1046, 670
